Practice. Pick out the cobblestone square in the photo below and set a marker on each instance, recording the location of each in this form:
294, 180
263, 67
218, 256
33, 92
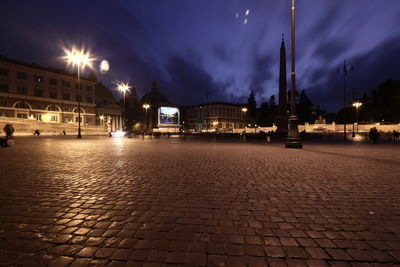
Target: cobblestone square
167, 202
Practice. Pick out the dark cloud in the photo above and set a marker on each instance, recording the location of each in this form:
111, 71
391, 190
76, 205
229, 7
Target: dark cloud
370, 69
221, 52
189, 47
188, 81
261, 72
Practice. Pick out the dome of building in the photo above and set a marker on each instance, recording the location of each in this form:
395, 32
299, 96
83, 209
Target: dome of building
103, 95
154, 96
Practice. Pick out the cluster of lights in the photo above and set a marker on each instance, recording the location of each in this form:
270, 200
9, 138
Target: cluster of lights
246, 14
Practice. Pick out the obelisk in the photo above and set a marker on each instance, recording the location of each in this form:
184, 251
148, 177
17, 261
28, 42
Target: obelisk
282, 116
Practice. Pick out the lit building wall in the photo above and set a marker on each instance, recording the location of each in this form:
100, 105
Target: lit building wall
46, 94
216, 117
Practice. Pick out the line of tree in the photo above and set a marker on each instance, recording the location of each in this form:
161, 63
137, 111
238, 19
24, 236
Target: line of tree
383, 105
267, 113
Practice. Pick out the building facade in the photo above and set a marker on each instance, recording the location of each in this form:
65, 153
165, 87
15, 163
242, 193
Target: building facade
157, 114
108, 112
217, 116
30, 91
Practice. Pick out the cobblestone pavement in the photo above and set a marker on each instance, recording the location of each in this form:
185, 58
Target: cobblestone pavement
163, 202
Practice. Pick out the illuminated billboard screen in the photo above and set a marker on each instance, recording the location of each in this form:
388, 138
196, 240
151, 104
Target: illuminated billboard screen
168, 115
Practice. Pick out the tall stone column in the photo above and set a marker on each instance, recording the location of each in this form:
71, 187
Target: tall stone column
282, 118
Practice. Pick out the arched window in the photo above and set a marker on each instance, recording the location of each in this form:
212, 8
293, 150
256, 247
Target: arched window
76, 110
54, 108
23, 105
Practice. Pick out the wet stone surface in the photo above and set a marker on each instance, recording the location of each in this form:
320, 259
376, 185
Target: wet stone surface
164, 202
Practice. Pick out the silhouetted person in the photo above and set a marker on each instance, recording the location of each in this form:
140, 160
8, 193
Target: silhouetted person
64, 132
396, 135
9, 130
374, 134
37, 132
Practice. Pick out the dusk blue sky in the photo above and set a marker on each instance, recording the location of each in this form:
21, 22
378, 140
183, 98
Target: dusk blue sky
189, 45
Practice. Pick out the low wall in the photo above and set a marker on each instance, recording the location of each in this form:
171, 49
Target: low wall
328, 128
349, 127
26, 127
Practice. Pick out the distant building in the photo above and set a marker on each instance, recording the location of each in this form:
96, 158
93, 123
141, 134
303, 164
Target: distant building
161, 115
108, 112
215, 116
45, 94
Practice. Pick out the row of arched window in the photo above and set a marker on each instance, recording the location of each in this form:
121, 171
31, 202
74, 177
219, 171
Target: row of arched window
52, 107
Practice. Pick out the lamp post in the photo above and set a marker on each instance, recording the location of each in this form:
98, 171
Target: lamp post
146, 107
79, 58
123, 88
345, 69
101, 117
293, 138
244, 110
357, 105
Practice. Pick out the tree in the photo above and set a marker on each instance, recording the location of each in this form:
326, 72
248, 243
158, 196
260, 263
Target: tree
264, 118
304, 108
273, 109
385, 102
252, 107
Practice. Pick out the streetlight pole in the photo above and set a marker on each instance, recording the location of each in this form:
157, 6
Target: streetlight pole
244, 110
79, 58
345, 70
124, 124
146, 107
79, 103
357, 105
123, 88
293, 138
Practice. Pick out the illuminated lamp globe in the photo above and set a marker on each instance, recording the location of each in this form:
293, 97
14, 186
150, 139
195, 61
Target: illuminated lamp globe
104, 66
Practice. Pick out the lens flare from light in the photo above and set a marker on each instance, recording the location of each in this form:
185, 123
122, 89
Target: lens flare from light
78, 57
123, 87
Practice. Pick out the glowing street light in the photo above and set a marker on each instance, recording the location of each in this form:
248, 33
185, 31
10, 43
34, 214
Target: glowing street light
101, 117
146, 107
244, 110
123, 88
79, 58
357, 105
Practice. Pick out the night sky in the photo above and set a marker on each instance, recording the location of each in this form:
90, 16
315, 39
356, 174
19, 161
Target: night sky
191, 45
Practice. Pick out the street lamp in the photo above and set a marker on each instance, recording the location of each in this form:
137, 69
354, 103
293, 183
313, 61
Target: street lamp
146, 107
357, 105
215, 125
244, 110
293, 138
123, 88
101, 117
345, 69
79, 58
